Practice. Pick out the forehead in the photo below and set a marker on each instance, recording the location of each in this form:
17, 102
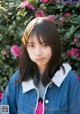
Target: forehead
35, 39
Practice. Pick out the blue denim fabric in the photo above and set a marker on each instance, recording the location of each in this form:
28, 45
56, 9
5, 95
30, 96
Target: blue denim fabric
61, 100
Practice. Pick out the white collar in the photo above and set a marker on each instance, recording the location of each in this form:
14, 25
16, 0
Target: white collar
57, 79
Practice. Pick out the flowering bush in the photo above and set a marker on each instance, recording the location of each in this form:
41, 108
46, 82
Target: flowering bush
14, 17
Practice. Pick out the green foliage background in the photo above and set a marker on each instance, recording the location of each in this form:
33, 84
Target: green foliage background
13, 21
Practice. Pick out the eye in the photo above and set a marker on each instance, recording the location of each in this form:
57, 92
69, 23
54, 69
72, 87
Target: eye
44, 45
30, 45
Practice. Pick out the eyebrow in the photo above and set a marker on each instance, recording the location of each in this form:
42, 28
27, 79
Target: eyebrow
34, 43
30, 42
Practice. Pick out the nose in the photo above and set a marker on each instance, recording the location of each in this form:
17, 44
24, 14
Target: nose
38, 51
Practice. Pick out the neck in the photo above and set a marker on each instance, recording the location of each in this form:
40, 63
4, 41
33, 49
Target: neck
41, 70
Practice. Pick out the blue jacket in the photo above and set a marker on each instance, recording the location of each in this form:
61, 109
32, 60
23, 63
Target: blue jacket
62, 94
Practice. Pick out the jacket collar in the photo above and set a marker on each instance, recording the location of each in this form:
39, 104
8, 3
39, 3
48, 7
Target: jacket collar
57, 79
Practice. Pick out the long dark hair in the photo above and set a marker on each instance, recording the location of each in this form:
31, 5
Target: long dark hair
43, 28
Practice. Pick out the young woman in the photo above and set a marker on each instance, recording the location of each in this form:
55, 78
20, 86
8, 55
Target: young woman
43, 84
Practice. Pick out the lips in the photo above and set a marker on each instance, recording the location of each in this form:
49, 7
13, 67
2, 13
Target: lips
39, 59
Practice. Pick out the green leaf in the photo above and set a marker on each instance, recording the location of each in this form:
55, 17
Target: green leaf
1, 80
33, 2
78, 71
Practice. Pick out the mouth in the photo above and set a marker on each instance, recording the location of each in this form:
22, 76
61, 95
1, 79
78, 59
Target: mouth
40, 59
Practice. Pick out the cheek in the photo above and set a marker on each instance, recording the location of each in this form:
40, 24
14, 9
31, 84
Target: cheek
49, 52
30, 53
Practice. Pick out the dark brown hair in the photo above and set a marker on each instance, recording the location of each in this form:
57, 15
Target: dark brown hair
43, 28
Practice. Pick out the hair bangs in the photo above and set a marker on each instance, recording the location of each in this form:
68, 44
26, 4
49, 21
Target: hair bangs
42, 34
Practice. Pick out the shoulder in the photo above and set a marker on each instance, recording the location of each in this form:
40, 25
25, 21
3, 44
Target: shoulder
73, 80
73, 93
72, 75
14, 77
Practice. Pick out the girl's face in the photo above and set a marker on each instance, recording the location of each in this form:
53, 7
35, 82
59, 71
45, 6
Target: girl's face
40, 53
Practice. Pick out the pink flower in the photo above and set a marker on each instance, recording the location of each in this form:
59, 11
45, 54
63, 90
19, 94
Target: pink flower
23, 4
75, 40
69, 53
39, 108
78, 76
16, 50
50, 17
30, 6
44, 1
1, 95
61, 19
67, 14
75, 52
4, 52
26, 4
40, 13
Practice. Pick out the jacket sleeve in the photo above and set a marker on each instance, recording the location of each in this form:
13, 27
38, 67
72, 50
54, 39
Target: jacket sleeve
9, 96
74, 95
